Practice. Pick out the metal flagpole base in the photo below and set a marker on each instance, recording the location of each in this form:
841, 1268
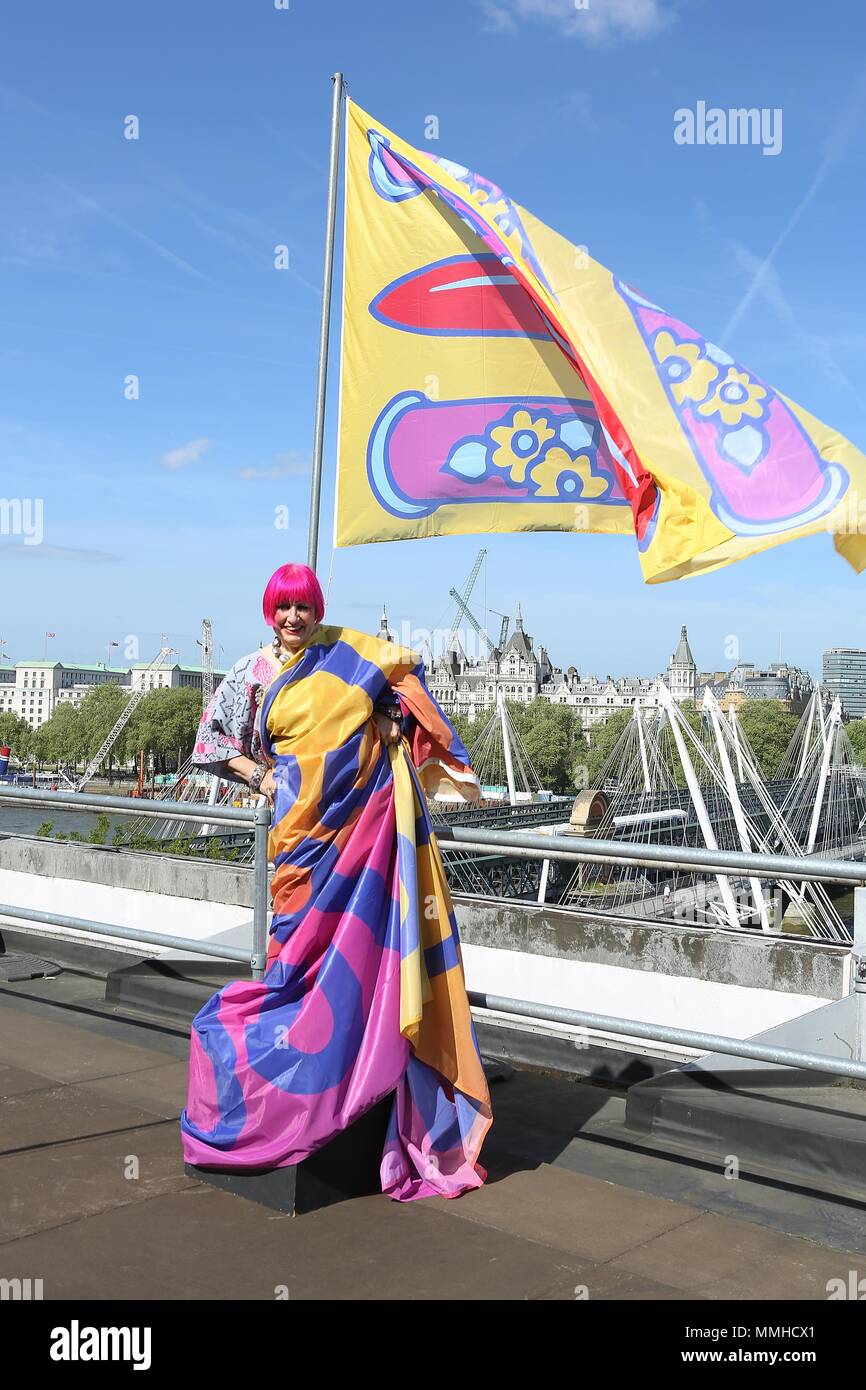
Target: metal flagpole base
346, 1167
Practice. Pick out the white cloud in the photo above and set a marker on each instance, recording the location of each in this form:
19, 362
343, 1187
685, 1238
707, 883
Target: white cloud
599, 21
291, 464
577, 106
187, 453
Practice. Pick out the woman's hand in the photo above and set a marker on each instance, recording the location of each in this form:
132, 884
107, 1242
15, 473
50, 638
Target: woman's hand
267, 788
390, 731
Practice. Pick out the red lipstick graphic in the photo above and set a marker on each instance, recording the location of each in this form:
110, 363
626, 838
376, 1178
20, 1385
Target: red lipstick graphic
468, 296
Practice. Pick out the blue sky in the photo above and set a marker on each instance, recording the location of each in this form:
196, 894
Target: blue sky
155, 257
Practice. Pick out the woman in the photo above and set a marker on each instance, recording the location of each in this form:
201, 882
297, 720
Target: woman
363, 995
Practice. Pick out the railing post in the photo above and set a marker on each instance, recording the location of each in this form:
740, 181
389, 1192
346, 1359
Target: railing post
261, 829
858, 961
542, 886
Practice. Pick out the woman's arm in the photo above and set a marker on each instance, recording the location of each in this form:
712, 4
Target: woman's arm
246, 768
224, 744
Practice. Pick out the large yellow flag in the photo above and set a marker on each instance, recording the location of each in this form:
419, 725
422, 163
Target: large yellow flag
497, 378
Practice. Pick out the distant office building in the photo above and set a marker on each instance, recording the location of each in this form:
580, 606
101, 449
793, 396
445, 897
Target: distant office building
790, 685
34, 689
844, 674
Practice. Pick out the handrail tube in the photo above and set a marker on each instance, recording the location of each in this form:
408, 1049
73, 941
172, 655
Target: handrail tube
183, 943
566, 857
657, 1032
131, 806
787, 866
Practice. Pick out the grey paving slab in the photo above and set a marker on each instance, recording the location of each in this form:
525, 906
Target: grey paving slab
16, 1081
160, 1090
49, 1187
603, 1283
63, 1113
580, 1215
201, 1243
718, 1257
66, 1005
73, 1050
605, 1149
800, 1274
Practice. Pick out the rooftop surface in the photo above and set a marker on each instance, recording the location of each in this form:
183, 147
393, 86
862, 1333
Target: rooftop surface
96, 1203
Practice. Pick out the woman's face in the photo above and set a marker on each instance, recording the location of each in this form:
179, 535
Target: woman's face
293, 624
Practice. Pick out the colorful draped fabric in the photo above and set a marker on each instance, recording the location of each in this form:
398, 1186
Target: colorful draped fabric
364, 995
496, 377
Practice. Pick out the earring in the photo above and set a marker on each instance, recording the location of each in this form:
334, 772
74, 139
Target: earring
276, 645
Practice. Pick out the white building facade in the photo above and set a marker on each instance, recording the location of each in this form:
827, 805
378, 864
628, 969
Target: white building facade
32, 690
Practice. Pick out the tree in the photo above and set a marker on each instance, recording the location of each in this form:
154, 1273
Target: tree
603, 736
769, 729
99, 712
552, 739
467, 730
16, 734
165, 724
60, 740
856, 731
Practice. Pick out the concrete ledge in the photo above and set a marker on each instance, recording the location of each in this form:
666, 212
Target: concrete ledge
805, 967
205, 880
792, 966
796, 1126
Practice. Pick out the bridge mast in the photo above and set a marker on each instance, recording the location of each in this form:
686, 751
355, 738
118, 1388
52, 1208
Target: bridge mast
711, 705
830, 738
698, 802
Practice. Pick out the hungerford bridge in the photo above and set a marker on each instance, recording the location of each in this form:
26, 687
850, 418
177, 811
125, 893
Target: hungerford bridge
668, 781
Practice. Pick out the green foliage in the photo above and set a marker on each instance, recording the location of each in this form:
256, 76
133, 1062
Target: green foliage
180, 845
45, 829
553, 739
60, 740
467, 730
16, 734
99, 833
603, 737
165, 724
856, 731
769, 729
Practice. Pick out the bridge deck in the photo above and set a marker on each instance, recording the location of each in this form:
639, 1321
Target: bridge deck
563, 1213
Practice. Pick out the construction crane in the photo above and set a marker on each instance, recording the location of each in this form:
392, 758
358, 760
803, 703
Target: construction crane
206, 644
128, 709
463, 599
503, 630
461, 602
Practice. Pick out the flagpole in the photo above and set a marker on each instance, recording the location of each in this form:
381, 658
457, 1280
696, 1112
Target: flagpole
324, 330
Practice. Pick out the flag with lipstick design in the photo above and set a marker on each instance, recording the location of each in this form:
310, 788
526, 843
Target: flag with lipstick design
496, 377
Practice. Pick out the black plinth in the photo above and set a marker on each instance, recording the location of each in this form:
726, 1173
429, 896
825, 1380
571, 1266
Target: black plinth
346, 1167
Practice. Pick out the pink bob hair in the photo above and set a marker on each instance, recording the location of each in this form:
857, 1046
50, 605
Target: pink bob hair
292, 584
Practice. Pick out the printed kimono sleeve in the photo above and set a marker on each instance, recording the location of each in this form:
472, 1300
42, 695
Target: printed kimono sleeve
228, 725
438, 753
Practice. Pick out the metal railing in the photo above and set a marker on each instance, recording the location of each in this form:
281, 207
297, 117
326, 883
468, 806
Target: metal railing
582, 849
777, 866
257, 817
681, 1037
